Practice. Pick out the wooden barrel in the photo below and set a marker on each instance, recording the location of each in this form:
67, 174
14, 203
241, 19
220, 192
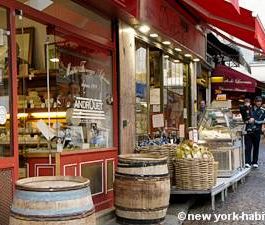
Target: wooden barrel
141, 188
52, 200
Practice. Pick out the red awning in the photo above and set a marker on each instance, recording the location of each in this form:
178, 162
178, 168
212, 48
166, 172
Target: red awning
233, 80
235, 3
223, 15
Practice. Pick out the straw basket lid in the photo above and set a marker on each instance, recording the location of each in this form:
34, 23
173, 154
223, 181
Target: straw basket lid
52, 183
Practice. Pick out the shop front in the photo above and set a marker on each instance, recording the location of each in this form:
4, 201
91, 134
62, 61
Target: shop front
160, 53
234, 85
58, 96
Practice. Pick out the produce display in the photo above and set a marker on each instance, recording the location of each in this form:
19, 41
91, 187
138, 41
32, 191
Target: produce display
190, 150
195, 168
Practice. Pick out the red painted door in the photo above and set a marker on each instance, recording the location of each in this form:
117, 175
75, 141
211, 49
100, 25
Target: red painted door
8, 128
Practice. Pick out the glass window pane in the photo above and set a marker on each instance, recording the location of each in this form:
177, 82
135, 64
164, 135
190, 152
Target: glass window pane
5, 123
173, 93
84, 94
141, 90
110, 174
75, 110
94, 173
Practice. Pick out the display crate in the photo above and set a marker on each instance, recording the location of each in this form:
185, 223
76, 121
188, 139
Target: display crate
229, 158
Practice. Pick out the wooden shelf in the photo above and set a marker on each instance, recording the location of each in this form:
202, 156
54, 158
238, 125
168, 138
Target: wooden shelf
26, 143
36, 110
40, 74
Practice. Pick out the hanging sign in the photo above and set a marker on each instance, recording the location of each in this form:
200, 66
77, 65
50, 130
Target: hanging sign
3, 115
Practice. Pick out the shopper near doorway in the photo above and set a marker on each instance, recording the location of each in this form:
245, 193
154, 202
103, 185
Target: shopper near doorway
254, 117
201, 110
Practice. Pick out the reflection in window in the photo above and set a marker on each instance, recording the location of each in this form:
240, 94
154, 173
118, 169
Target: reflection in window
173, 92
84, 93
94, 173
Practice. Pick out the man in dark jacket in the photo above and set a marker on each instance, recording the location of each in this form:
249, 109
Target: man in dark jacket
254, 122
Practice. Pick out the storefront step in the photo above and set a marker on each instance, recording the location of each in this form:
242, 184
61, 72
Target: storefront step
104, 216
172, 214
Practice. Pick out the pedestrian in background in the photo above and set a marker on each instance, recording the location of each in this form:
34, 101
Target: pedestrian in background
201, 110
254, 117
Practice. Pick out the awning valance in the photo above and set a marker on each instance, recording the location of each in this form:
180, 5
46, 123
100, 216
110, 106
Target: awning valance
233, 80
223, 15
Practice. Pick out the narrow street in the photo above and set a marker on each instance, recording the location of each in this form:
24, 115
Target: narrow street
249, 198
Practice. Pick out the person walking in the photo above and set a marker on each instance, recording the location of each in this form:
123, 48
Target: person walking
254, 117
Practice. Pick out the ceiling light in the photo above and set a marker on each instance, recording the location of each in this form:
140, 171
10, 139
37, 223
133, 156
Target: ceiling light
196, 60
188, 55
176, 61
144, 28
178, 49
166, 42
39, 4
154, 35
166, 56
54, 60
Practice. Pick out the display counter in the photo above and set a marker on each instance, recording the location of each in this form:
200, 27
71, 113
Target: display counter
222, 136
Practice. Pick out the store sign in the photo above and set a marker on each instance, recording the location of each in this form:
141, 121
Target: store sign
237, 81
166, 19
3, 115
233, 80
88, 109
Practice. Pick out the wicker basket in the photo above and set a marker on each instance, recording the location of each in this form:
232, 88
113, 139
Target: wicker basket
168, 151
195, 174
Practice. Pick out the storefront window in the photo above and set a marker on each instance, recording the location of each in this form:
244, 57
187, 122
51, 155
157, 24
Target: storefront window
5, 123
173, 92
65, 92
84, 85
142, 99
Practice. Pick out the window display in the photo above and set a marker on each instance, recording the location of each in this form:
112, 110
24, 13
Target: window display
65, 94
141, 90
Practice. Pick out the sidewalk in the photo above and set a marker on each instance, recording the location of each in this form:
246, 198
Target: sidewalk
249, 199
171, 218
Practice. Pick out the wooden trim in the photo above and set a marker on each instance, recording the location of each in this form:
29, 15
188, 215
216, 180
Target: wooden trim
106, 174
88, 151
115, 96
7, 162
43, 166
69, 165
57, 164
